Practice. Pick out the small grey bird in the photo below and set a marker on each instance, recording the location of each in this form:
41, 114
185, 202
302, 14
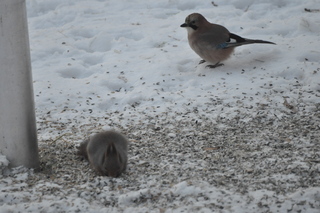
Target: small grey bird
213, 42
106, 152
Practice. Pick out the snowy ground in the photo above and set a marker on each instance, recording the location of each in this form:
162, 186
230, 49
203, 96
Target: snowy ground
243, 137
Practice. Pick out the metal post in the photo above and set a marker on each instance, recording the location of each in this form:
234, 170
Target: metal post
18, 136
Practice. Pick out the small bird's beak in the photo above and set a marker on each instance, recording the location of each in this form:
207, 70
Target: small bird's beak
184, 25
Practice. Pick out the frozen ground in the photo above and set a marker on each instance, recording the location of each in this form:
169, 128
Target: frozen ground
243, 137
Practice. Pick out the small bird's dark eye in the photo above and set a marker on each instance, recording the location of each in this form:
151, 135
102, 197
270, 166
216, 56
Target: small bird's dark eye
193, 22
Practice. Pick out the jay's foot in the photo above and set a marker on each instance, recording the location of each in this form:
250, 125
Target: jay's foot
216, 65
202, 61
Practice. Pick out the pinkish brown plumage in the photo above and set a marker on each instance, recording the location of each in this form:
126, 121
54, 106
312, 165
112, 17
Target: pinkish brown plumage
213, 42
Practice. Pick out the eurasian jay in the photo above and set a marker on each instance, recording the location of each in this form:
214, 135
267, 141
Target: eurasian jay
213, 42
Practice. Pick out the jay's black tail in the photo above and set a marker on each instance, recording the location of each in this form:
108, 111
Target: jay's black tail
236, 40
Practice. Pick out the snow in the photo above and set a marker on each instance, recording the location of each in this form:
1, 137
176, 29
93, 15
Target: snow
127, 65
3, 162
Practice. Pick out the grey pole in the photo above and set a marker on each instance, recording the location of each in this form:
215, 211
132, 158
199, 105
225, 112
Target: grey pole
18, 136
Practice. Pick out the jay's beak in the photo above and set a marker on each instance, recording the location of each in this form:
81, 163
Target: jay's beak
184, 25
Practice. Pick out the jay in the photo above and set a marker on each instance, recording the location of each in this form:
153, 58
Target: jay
213, 42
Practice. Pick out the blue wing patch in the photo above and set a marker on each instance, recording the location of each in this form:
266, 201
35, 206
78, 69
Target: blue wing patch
222, 46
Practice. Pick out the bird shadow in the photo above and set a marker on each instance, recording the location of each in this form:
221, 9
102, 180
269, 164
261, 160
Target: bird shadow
251, 59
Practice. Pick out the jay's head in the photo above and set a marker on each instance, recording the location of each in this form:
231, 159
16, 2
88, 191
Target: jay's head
194, 21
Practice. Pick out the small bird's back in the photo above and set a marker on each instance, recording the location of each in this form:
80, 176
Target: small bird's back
99, 142
106, 152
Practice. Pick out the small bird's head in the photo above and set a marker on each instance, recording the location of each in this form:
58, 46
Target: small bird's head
193, 21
